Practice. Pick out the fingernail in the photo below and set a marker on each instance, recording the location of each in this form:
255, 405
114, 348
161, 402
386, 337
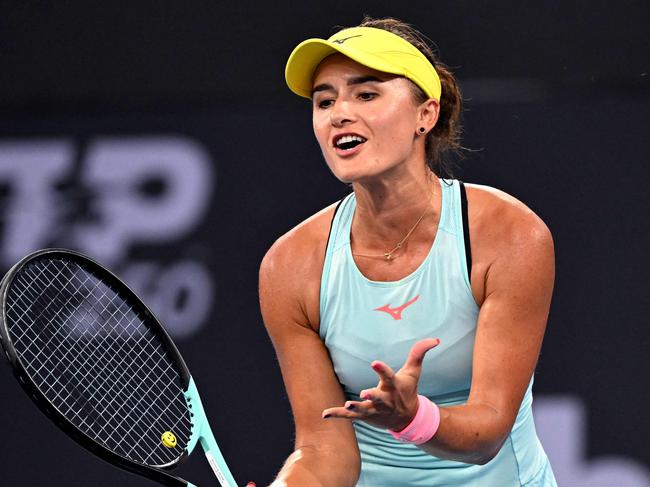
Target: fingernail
349, 406
325, 416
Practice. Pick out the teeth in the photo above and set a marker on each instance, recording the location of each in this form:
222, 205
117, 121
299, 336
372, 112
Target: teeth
349, 138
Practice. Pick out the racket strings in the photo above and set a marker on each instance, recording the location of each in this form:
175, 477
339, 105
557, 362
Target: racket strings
123, 435
97, 361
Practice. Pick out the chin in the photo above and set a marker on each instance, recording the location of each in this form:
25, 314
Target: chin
346, 177
340, 171
349, 175
356, 168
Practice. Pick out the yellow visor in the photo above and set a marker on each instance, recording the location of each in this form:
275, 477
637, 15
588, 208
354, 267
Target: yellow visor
375, 48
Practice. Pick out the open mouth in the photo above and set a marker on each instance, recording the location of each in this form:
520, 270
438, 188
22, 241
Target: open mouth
348, 142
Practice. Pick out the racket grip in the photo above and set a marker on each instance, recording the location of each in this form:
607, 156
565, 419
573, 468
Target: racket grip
206, 438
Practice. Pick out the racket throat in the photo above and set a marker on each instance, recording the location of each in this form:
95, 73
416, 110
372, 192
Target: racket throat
201, 432
215, 468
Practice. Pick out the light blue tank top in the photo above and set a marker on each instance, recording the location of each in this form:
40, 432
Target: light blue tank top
363, 320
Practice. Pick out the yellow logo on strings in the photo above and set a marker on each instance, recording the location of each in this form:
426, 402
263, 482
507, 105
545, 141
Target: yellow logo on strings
168, 439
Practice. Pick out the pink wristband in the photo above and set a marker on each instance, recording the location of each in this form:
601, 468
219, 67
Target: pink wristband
424, 424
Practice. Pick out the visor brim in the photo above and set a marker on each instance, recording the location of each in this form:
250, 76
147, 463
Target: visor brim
306, 57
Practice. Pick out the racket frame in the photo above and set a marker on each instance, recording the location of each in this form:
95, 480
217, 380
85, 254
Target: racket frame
200, 428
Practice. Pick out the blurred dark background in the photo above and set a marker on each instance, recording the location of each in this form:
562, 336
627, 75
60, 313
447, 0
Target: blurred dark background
160, 138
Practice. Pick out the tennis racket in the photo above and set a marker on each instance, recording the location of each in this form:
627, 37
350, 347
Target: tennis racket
98, 363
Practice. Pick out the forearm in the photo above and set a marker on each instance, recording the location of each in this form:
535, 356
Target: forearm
318, 468
470, 433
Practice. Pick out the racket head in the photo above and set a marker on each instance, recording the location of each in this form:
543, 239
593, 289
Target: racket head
96, 361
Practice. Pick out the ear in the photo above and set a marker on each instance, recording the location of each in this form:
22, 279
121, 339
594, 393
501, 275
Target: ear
428, 113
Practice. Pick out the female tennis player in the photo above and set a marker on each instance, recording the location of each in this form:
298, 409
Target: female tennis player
409, 317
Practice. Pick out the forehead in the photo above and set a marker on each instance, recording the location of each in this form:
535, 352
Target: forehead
340, 66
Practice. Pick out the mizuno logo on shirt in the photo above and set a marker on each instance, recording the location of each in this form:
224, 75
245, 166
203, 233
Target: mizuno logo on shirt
396, 313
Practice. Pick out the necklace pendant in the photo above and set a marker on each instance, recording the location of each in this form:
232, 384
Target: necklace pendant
388, 255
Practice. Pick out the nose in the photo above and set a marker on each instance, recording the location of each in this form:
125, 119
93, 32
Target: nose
341, 114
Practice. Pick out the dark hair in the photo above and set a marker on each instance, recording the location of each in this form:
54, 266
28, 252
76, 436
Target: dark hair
444, 139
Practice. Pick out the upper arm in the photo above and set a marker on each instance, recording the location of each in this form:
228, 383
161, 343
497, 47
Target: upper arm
518, 284
289, 285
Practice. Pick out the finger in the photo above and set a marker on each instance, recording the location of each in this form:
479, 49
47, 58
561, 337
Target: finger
250, 484
369, 394
359, 406
337, 412
385, 373
351, 410
376, 397
340, 413
416, 355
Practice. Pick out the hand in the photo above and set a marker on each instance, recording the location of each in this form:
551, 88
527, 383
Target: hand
394, 402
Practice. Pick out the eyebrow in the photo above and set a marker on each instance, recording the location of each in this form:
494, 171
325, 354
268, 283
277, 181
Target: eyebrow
357, 80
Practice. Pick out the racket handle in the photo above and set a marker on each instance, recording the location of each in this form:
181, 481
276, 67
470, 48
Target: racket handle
206, 437
216, 461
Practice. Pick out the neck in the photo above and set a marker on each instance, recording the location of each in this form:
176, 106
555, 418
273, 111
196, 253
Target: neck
389, 206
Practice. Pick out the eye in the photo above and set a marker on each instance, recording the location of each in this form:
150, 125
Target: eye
367, 96
325, 103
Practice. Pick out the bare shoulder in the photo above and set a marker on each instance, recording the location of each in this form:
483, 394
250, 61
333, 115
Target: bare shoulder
291, 269
507, 239
496, 216
299, 247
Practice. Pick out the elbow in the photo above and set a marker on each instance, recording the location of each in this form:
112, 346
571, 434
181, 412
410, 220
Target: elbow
344, 469
474, 456
352, 467
342, 454
341, 465
483, 459
485, 455
477, 458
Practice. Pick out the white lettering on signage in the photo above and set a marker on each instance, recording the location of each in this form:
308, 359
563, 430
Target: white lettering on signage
116, 169
32, 209
119, 192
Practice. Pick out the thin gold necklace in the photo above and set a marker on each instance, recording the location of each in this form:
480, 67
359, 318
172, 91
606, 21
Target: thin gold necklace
389, 255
